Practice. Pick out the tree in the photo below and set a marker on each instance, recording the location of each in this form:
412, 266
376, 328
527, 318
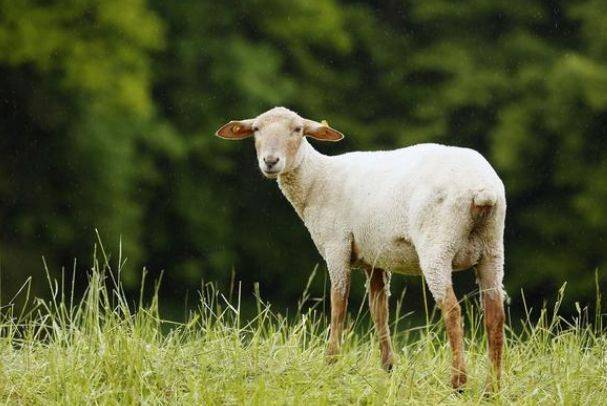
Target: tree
77, 102
109, 110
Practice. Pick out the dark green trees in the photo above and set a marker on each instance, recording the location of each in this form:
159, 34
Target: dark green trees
108, 110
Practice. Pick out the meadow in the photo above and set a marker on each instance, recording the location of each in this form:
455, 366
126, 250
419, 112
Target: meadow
102, 348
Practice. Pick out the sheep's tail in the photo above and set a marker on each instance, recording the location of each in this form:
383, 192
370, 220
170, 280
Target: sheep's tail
484, 198
483, 202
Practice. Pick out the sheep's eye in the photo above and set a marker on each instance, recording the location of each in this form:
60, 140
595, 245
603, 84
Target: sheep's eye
255, 129
297, 129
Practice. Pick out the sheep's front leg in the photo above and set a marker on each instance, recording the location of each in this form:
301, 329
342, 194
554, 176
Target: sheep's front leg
339, 273
339, 308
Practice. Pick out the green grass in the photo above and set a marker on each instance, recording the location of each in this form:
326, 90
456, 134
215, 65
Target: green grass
102, 349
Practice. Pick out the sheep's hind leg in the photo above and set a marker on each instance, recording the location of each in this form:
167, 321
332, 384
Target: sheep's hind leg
379, 286
452, 315
437, 271
490, 272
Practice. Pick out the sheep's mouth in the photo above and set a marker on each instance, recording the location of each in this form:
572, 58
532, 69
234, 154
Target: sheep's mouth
271, 174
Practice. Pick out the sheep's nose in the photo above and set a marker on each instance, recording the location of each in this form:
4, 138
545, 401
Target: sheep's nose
270, 161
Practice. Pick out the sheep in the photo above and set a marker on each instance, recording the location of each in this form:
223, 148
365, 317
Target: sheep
427, 209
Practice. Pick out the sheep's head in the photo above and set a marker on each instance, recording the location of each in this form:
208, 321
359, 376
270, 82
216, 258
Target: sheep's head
278, 135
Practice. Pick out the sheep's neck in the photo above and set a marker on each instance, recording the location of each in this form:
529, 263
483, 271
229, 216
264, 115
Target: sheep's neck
298, 185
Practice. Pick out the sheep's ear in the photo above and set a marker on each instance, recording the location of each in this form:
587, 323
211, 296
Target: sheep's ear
236, 130
321, 131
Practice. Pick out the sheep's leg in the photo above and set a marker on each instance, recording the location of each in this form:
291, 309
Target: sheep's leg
452, 314
340, 289
436, 267
490, 272
379, 286
494, 325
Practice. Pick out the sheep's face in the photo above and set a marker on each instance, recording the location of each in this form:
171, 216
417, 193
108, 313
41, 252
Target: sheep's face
278, 136
277, 141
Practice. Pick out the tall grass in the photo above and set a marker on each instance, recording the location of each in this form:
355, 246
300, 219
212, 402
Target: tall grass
101, 348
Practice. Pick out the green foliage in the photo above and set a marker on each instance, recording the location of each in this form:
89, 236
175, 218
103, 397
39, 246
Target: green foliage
108, 110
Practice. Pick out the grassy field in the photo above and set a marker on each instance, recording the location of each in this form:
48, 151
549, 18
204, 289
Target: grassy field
101, 349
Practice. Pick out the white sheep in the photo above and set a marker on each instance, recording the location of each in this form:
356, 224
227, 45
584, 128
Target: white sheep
426, 210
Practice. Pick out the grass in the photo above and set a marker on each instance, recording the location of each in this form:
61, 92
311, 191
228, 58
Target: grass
103, 349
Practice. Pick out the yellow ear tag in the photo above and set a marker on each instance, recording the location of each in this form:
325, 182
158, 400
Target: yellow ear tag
325, 123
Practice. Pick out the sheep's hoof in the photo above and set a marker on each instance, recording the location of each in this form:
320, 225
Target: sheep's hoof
387, 363
458, 380
331, 359
331, 355
492, 386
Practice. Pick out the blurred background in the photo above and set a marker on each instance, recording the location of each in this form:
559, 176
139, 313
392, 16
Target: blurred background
108, 109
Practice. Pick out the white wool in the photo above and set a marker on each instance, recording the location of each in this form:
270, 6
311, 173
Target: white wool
404, 210
412, 210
